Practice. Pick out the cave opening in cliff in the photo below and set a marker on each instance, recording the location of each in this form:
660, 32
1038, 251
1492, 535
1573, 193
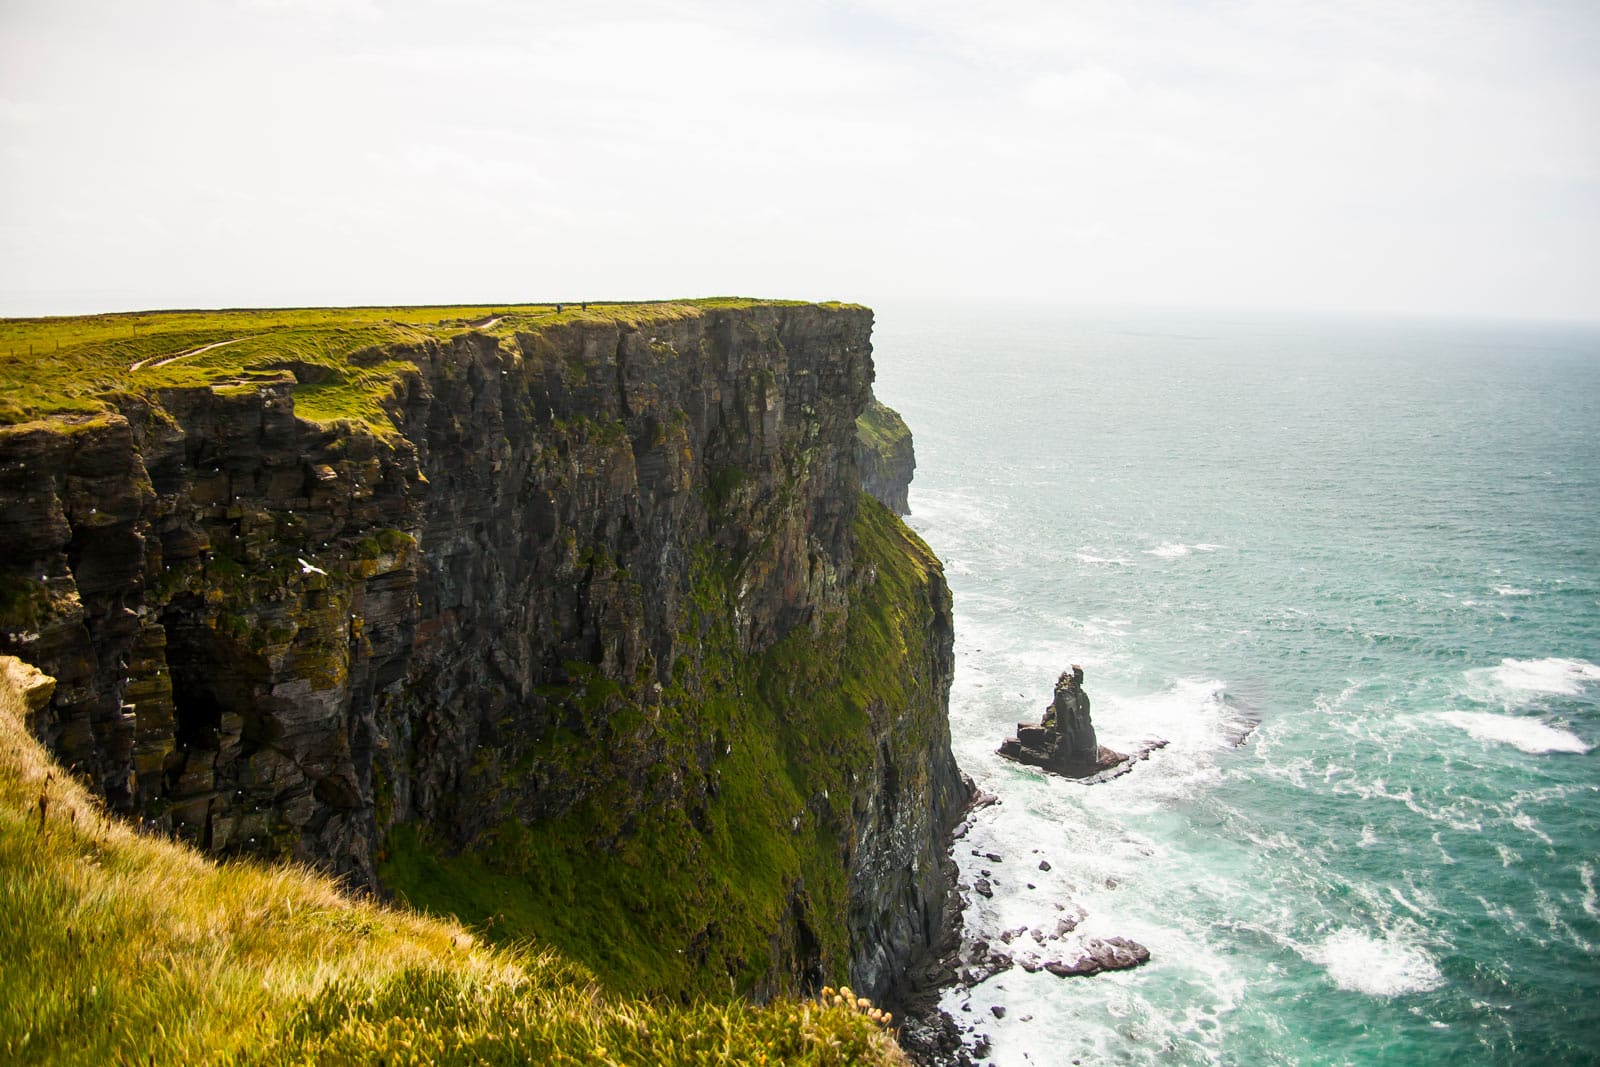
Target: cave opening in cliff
213, 675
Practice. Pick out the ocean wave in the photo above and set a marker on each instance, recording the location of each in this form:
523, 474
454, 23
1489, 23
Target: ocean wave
1174, 549
1168, 550
1510, 590
1105, 561
1377, 966
1528, 824
1530, 735
1532, 677
1189, 713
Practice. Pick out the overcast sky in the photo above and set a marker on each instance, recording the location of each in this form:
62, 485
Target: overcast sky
1397, 155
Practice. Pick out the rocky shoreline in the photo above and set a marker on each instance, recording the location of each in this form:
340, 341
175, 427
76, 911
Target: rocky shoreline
1063, 744
931, 1036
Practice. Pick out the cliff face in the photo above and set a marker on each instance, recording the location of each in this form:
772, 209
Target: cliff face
885, 456
603, 625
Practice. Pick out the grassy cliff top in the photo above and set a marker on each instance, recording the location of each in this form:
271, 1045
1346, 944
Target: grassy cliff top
75, 364
121, 948
881, 428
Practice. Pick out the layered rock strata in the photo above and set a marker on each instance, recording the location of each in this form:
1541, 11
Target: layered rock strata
584, 600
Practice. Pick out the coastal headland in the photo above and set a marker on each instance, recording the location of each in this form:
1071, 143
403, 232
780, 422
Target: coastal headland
571, 622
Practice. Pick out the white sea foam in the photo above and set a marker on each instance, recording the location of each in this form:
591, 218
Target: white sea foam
1174, 549
1377, 966
1525, 822
1524, 678
1530, 735
1511, 590
1106, 561
1591, 902
1414, 907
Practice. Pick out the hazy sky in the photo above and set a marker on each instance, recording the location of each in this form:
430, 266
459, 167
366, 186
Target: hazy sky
1329, 154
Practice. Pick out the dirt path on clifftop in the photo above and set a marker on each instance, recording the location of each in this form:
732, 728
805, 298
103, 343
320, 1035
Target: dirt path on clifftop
154, 362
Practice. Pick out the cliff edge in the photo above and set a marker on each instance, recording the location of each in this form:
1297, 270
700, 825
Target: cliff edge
571, 624
885, 456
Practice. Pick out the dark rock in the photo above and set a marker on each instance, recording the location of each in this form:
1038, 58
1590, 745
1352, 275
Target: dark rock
998, 1011
1064, 741
1044, 865
982, 888
935, 1041
1110, 954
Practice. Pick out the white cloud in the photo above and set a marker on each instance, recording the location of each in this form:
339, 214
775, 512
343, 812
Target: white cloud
1086, 87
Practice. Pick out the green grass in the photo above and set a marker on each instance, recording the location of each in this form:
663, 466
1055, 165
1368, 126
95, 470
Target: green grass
348, 360
880, 427
116, 948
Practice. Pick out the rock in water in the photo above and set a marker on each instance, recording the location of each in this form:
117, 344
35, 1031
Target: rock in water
1071, 710
1064, 742
1111, 954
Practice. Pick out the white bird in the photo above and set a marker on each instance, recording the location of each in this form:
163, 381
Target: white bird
310, 568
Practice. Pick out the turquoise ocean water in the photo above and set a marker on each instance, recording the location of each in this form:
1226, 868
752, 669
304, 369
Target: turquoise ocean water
1381, 541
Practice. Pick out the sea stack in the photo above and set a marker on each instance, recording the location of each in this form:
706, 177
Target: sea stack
1064, 742
1070, 712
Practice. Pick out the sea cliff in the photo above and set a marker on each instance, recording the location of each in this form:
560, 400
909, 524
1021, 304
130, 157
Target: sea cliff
577, 626
885, 455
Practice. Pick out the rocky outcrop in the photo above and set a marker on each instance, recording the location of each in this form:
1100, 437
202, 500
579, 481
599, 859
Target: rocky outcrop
583, 600
1064, 742
885, 456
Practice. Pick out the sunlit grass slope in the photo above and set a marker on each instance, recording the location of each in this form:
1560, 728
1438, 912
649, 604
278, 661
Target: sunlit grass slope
121, 948
78, 363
